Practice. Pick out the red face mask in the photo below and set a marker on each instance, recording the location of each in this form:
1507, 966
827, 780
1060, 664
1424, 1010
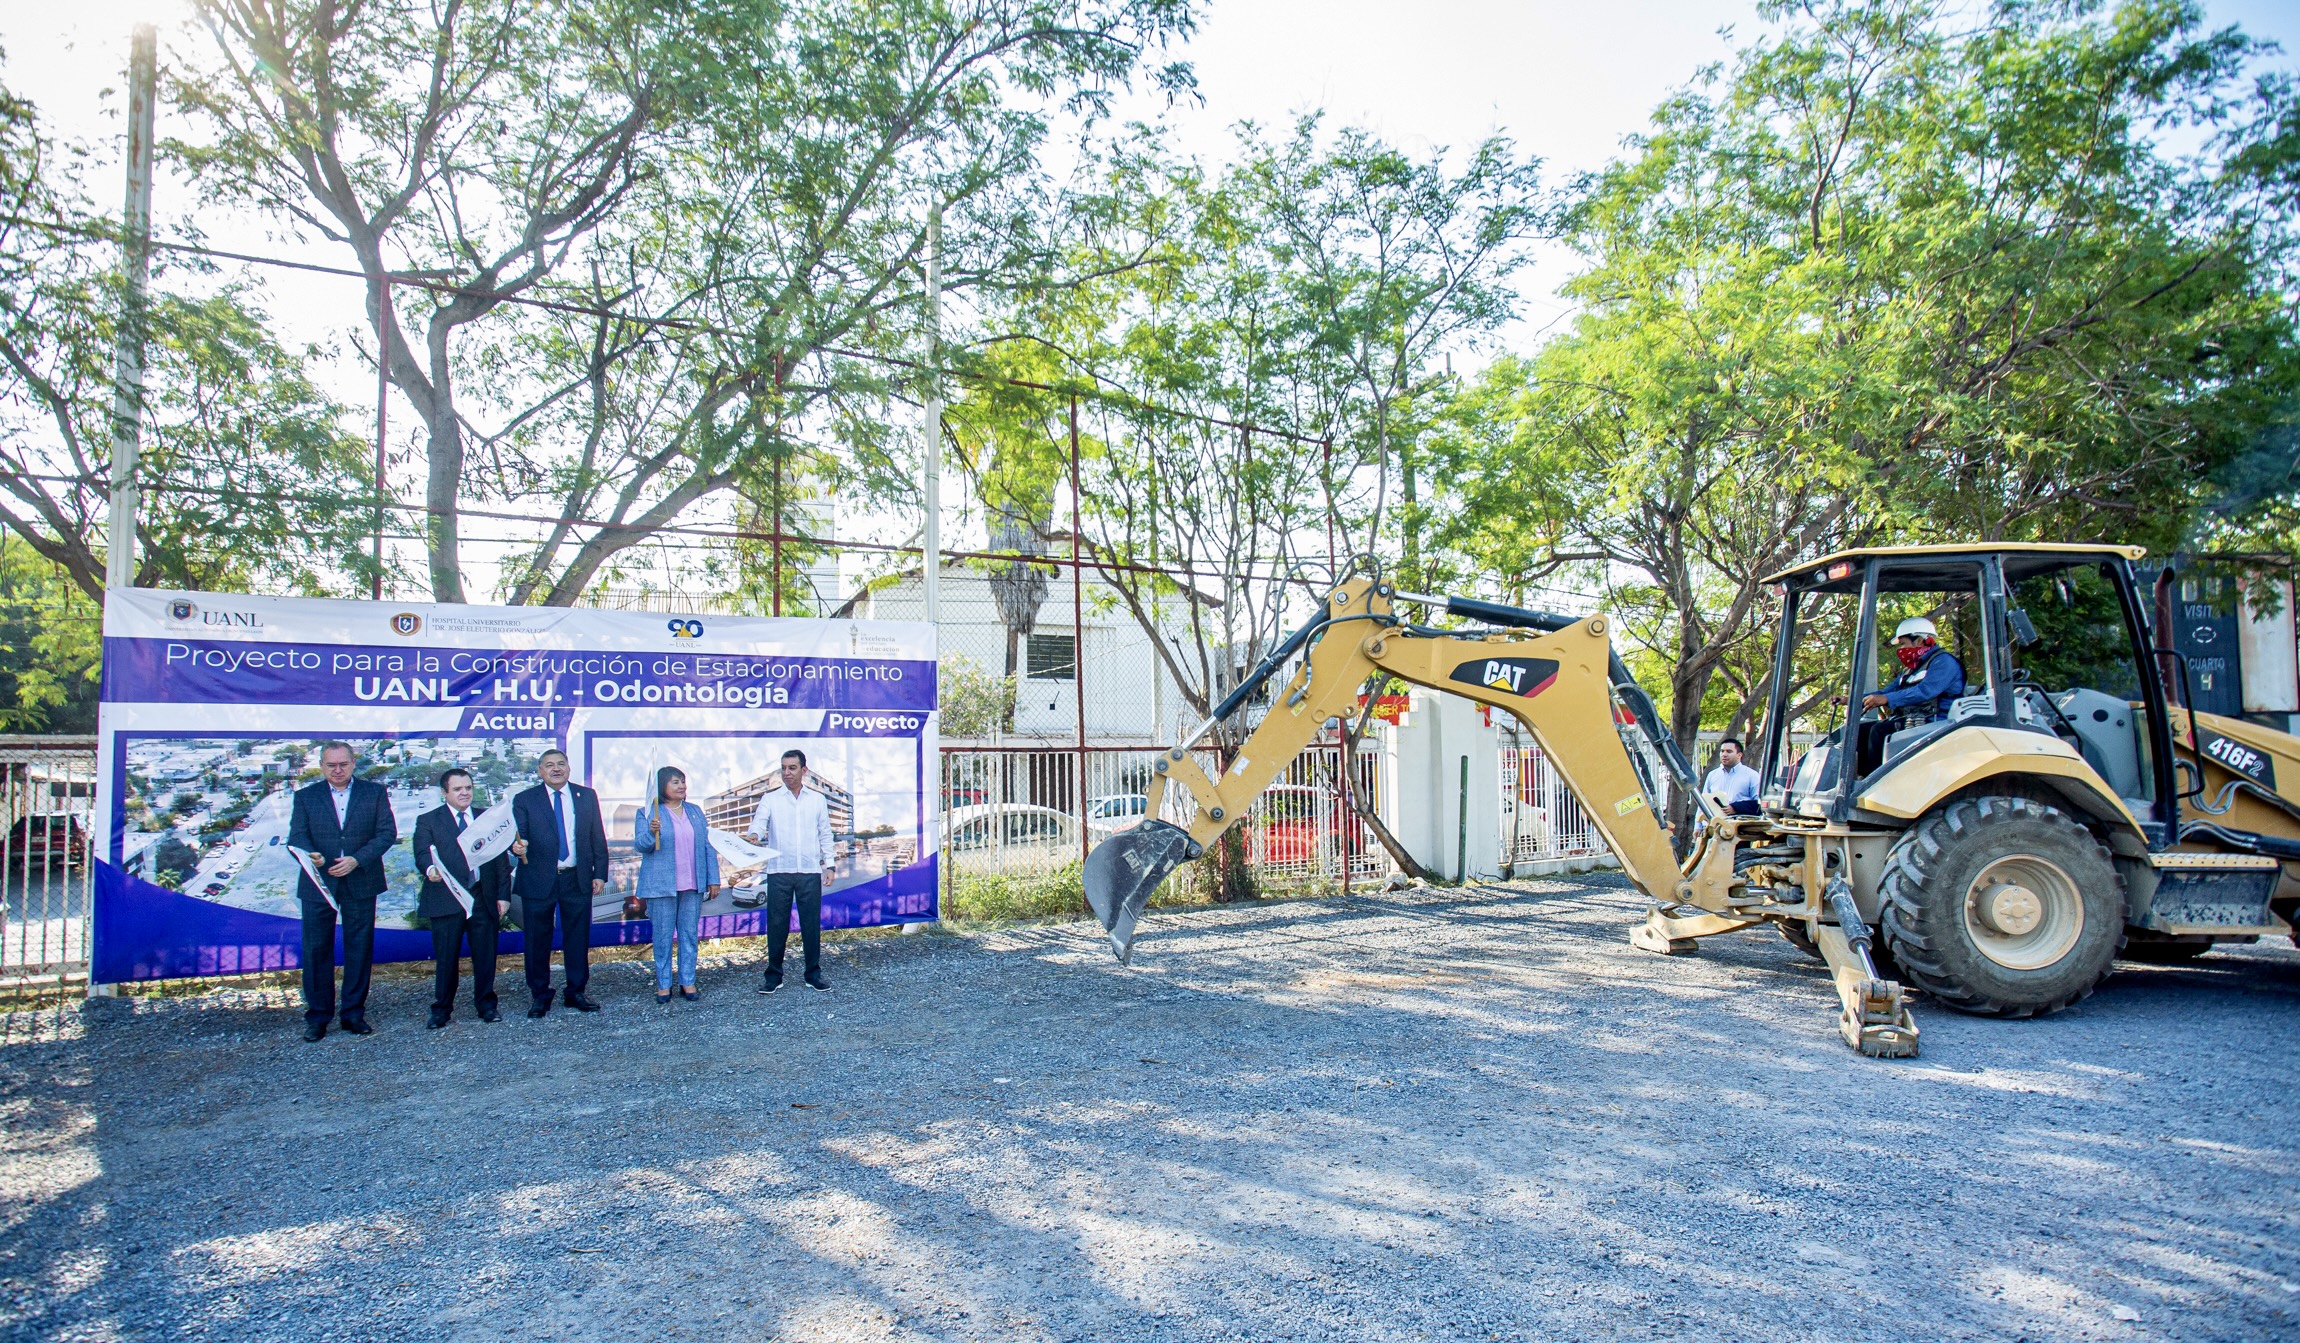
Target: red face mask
1912, 655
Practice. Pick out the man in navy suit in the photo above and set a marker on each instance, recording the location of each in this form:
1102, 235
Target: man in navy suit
562, 852
439, 849
348, 823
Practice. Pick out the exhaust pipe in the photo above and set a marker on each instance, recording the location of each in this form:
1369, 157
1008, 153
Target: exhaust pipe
1123, 871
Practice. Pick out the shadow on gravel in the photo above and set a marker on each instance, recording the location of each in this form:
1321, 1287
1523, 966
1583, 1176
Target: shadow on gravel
1462, 1114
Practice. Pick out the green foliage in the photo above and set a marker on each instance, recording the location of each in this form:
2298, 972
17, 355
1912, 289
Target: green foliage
250, 479
50, 645
1060, 893
974, 702
1899, 277
758, 170
1313, 285
1224, 876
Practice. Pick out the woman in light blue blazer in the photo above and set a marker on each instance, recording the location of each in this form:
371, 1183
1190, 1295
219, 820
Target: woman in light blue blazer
677, 872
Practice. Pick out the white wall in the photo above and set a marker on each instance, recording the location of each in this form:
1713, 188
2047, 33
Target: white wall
2271, 669
1130, 696
1423, 772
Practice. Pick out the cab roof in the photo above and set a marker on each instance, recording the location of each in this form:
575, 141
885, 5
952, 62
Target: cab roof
1814, 570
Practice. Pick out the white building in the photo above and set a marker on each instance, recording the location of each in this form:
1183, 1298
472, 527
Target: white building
1131, 695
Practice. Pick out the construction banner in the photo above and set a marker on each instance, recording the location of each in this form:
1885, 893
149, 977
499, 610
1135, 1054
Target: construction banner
216, 706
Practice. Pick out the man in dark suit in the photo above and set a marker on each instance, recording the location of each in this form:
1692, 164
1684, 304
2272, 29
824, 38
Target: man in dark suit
439, 848
562, 852
348, 823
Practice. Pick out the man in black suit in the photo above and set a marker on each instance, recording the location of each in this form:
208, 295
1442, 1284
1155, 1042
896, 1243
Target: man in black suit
562, 852
348, 823
439, 848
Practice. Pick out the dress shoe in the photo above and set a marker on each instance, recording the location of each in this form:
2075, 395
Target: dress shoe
816, 981
539, 1011
689, 995
581, 1003
774, 981
438, 1019
489, 1014
358, 1028
315, 1031
663, 999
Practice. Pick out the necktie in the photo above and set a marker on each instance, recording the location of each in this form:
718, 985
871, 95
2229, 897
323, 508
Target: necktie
559, 814
460, 822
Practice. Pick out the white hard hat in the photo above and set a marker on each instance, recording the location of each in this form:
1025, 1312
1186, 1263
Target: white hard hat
1915, 625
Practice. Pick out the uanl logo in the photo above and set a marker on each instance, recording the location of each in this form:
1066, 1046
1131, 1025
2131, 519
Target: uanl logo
188, 612
1525, 677
407, 624
683, 627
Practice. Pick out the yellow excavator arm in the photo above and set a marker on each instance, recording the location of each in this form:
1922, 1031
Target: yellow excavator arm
1556, 675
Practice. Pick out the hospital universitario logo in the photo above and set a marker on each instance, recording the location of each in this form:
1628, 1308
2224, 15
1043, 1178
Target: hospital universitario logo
407, 624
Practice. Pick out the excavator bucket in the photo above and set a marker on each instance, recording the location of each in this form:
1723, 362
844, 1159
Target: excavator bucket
1124, 870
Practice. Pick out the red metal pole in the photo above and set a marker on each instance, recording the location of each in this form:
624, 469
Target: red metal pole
1078, 627
382, 417
778, 538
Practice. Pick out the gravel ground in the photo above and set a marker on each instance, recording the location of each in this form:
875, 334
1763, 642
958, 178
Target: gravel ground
1437, 1114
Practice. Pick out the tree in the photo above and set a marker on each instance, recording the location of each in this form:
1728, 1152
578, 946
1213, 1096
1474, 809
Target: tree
757, 174
50, 645
1896, 279
242, 456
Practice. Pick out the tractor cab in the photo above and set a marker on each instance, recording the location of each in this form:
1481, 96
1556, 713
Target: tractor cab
2042, 651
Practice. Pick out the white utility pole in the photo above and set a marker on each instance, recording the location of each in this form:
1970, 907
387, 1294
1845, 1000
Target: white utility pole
136, 258
931, 461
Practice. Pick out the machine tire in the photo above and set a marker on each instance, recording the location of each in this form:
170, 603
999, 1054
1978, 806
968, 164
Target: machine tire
1880, 955
1796, 938
2002, 906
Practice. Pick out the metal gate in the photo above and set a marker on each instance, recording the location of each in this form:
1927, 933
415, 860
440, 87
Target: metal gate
48, 800
1539, 817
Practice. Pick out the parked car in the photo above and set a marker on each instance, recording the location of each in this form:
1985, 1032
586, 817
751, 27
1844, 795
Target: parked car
1120, 811
1298, 826
56, 839
1007, 836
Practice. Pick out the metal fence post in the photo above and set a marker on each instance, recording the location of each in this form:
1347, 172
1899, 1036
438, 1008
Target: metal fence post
1078, 631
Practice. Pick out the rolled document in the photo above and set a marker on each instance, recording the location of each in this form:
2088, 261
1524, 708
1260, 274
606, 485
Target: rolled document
311, 862
454, 887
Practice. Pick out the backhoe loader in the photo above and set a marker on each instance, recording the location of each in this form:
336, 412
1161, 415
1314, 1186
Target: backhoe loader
2064, 810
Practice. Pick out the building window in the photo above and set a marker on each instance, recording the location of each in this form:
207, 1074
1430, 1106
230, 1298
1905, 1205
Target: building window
1052, 657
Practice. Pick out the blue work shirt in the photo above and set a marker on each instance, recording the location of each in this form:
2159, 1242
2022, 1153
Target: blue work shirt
1923, 693
1738, 784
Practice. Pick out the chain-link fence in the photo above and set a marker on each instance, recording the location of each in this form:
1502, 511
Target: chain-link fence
47, 795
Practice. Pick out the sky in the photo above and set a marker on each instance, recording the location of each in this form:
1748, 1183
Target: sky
1567, 81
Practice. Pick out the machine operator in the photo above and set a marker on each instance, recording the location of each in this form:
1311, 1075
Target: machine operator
1931, 679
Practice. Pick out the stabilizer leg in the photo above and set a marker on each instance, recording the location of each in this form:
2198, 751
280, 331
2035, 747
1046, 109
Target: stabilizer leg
1873, 1018
1667, 934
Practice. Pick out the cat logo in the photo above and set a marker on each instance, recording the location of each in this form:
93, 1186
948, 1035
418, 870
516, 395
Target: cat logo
1524, 677
407, 624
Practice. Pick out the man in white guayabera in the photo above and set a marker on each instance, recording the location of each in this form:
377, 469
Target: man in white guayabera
795, 822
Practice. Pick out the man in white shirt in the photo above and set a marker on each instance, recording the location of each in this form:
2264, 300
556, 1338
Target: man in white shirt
796, 823
1733, 783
